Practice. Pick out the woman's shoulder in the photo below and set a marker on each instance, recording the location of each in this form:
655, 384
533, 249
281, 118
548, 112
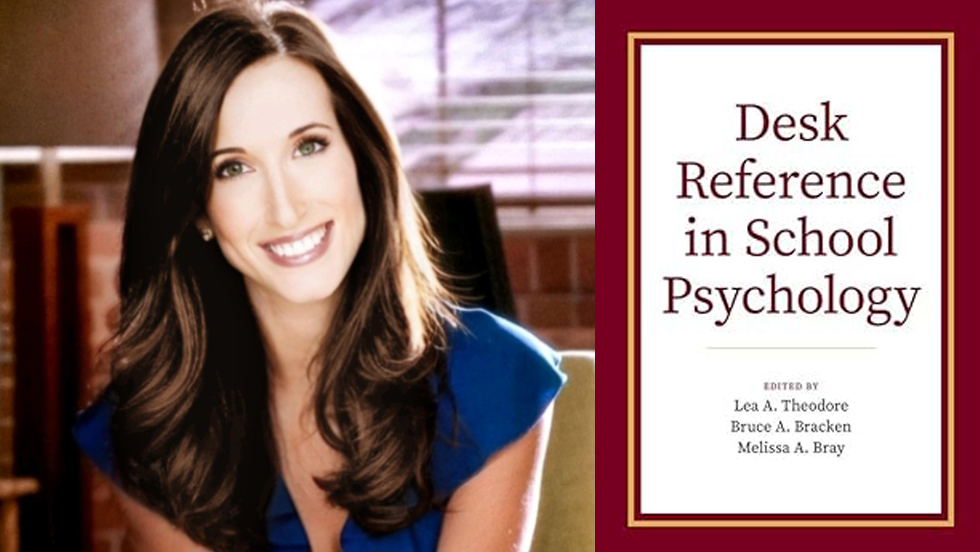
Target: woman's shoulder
488, 353
481, 335
500, 379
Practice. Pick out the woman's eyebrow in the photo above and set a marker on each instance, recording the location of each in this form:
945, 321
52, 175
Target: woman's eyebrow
304, 128
221, 151
292, 134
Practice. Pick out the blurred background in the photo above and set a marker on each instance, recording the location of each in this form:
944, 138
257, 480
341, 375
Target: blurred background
490, 92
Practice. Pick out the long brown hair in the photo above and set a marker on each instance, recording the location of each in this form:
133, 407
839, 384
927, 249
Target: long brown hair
192, 431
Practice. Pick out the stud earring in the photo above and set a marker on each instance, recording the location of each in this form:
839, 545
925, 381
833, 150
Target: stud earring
207, 234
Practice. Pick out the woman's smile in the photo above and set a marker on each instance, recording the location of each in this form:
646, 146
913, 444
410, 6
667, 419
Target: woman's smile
301, 248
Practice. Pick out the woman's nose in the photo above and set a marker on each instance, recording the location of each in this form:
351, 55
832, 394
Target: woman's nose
283, 208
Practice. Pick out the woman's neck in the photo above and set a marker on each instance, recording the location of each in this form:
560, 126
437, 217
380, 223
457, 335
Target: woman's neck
292, 334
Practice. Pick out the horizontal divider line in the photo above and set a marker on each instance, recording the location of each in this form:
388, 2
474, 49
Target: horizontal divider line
803, 348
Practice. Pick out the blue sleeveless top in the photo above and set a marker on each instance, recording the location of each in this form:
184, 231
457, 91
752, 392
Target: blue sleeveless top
500, 379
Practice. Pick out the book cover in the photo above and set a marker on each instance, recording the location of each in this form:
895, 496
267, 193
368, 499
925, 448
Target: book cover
792, 208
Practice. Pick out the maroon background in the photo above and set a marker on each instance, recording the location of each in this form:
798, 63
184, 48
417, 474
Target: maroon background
611, 481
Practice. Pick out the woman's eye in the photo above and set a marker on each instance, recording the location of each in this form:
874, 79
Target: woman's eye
231, 169
309, 147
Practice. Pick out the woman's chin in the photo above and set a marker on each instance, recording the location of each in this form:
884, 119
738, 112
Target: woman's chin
301, 296
294, 293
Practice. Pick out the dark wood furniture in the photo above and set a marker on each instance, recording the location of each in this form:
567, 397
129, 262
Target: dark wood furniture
464, 221
51, 354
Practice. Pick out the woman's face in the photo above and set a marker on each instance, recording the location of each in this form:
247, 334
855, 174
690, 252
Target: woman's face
285, 204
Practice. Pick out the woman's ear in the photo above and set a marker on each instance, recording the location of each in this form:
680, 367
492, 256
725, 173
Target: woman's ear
204, 227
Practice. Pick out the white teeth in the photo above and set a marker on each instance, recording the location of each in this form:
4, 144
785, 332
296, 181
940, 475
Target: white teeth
307, 244
299, 247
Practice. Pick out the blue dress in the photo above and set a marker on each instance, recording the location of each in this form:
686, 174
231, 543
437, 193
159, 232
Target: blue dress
500, 379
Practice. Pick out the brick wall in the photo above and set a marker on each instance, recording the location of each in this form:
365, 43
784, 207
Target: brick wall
553, 278
103, 188
105, 239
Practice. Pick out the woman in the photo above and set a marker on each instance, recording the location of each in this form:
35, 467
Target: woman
289, 374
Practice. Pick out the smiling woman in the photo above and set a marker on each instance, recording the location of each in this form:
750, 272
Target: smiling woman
289, 373
282, 164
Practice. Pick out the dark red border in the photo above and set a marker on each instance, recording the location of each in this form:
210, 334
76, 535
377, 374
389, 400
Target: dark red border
619, 17
637, 47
